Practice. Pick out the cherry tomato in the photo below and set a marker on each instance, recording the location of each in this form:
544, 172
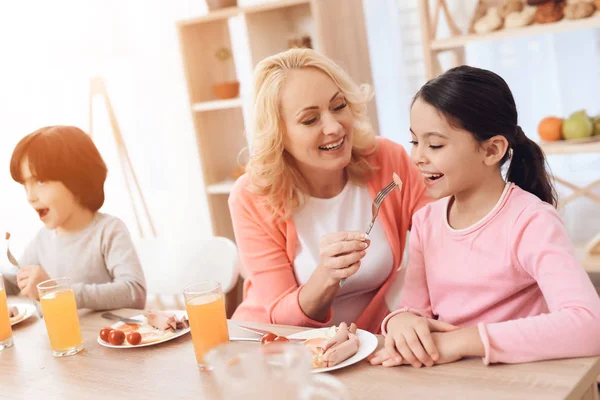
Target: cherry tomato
116, 337
281, 339
268, 338
104, 333
134, 338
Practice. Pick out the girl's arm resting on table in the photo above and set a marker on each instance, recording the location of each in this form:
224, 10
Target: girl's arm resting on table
572, 326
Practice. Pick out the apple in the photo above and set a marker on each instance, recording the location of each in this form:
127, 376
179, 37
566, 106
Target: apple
577, 126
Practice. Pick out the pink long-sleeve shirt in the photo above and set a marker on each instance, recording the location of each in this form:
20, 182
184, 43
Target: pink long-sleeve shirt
513, 274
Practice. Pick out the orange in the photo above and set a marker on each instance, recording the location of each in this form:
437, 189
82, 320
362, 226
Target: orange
550, 129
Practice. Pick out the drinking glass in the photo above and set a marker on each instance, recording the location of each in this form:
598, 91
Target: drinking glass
60, 314
6, 339
205, 305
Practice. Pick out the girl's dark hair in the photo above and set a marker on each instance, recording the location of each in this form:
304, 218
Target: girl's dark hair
479, 101
65, 154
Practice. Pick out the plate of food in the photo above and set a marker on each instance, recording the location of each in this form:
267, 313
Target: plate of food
147, 329
337, 347
19, 312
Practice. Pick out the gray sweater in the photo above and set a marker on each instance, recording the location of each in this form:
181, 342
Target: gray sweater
100, 260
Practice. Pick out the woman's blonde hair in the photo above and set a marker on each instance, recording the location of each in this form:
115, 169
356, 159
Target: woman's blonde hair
272, 170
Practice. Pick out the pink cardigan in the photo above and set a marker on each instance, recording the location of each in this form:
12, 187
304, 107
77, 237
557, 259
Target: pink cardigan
268, 247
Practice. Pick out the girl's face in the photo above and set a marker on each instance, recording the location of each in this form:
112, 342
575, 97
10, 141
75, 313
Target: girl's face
450, 159
54, 203
318, 122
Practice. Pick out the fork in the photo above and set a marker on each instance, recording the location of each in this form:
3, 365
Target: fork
375, 209
9, 255
13, 261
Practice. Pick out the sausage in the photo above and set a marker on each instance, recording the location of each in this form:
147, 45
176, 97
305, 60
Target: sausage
341, 335
341, 351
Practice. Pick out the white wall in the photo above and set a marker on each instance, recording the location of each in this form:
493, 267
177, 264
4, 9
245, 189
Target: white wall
49, 51
549, 75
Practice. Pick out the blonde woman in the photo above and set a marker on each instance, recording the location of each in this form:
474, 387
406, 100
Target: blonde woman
301, 210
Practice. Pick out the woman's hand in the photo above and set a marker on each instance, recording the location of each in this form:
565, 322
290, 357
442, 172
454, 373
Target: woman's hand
410, 341
340, 254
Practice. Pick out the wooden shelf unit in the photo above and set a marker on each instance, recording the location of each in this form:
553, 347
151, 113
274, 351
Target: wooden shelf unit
456, 42
563, 25
432, 47
336, 27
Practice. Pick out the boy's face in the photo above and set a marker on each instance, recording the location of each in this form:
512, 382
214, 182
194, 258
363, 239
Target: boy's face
53, 202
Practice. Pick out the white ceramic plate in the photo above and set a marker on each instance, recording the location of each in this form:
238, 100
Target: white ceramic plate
368, 344
26, 310
141, 318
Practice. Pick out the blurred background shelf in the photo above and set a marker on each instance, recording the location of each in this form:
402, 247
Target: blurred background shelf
249, 34
217, 105
563, 25
221, 187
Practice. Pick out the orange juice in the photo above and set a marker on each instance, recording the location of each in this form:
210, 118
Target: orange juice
62, 321
208, 323
5, 330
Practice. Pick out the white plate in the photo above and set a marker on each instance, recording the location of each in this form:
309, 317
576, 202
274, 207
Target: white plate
141, 318
26, 309
368, 344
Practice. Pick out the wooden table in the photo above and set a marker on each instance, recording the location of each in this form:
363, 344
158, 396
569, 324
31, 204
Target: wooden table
168, 371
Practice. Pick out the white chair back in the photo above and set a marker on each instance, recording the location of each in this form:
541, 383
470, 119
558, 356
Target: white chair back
172, 264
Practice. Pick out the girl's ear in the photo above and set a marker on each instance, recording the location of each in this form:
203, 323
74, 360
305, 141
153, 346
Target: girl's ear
494, 149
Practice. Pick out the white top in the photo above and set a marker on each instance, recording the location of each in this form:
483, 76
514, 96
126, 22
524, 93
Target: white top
348, 211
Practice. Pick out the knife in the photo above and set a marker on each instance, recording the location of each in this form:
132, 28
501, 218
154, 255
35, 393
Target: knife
264, 332
108, 315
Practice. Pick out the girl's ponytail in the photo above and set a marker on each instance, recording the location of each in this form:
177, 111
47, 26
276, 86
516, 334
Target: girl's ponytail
528, 168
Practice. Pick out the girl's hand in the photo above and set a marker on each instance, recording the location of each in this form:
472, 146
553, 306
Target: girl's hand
410, 341
28, 278
340, 254
449, 346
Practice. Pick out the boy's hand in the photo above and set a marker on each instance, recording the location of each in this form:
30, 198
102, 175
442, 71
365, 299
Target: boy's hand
28, 278
410, 340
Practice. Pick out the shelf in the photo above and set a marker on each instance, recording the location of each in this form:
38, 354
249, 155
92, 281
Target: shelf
221, 187
591, 145
217, 105
273, 5
223, 13
563, 25
229, 12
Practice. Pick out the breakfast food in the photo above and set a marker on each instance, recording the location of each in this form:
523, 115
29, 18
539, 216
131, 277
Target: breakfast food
116, 337
549, 12
153, 327
490, 22
134, 338
577, 9
166, 321
340, 344
519, 19
15, 314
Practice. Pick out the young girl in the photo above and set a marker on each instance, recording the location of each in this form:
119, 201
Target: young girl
491, 270
63, 175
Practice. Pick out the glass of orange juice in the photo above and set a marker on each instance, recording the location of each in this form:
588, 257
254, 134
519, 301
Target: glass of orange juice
60, 314
205, 306
5, 329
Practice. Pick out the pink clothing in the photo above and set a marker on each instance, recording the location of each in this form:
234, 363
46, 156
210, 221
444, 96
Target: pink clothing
268, 247
514, 274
